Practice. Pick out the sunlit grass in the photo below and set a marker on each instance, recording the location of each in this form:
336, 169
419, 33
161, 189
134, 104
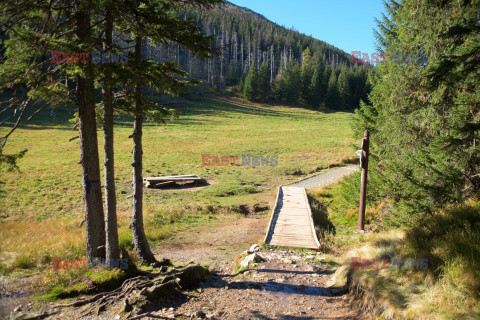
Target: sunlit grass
49, 183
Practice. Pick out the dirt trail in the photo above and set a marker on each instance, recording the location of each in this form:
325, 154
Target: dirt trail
287, 285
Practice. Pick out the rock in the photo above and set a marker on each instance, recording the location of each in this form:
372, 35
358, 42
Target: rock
255, 248
309, 257
191, 276
200, 314
158, 291
254, 257
338, 281
210, 316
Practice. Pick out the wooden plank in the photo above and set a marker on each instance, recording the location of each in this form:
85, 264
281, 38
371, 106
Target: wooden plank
161, 179
177, 176
291, 224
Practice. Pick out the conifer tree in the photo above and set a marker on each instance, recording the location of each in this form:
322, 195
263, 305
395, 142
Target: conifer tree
264, 88
344, 93
315, 90
250, 91
425, 115
292, 82
231, 75
307, 73
332, 97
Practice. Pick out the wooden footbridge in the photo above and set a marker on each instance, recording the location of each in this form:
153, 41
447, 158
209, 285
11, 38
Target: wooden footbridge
291, 224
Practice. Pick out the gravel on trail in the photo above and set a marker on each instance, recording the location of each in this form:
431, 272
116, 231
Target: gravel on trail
324, 178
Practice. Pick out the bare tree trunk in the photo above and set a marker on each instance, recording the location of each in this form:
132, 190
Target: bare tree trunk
142, 248
92, 191
112, 247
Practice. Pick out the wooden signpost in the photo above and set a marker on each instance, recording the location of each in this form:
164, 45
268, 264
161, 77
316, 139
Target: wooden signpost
363, 188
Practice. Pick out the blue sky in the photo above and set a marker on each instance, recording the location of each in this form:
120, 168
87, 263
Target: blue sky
345, 24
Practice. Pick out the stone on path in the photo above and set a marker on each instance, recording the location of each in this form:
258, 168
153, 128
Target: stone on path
254, 248
254, 257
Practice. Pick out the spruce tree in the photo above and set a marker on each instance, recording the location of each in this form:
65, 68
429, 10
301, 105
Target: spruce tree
332, 96
424, 115
158, 24
250, 91
307, 73
315, 90
264, 88
231, 76
292, 82
343, 86
37, 83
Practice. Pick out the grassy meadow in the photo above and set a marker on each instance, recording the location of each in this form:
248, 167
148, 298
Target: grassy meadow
41, 205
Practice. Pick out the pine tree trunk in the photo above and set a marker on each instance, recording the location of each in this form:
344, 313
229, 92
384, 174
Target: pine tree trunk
92, 192
112, 247
140, 241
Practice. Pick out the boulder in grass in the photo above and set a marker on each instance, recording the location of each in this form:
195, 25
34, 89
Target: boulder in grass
338, 282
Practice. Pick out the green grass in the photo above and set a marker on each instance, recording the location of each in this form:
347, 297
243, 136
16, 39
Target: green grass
48, 188
49, 184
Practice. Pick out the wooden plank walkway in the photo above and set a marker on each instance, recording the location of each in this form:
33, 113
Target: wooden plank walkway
291, 224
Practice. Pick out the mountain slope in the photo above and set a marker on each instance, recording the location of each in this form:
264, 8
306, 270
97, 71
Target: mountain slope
298, 67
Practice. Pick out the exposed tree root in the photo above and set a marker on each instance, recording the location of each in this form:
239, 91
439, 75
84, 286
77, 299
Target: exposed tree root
139, 292
151, 315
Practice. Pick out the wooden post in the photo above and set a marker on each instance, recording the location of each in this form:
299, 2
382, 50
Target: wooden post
363, 188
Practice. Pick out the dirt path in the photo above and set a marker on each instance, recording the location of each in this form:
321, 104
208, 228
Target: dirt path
286, 286
215, 244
